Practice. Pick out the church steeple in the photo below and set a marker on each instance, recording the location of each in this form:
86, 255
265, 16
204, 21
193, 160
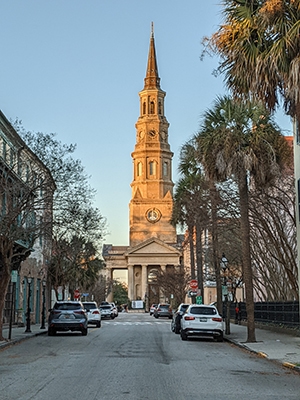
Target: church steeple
152, 80
152, 187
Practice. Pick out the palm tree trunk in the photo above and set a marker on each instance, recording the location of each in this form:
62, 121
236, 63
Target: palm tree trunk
199, 259
192, 256
214, 235
247, 270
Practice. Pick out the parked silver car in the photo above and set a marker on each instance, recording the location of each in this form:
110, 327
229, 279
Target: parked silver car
163, 310
67, 316
106, 311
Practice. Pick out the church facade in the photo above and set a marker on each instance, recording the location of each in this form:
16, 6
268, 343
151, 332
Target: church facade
152, 238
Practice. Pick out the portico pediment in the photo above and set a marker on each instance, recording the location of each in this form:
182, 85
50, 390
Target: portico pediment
152, 246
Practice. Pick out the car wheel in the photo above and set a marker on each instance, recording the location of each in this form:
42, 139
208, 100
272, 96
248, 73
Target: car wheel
112, 316
84, 331
219, 338
177, 330
98, 324
156, 316
183, 336
50, 332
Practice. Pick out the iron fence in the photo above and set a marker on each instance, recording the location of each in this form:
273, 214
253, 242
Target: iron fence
278, 313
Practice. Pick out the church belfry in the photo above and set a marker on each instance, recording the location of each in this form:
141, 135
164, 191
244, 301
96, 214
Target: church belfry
152, 186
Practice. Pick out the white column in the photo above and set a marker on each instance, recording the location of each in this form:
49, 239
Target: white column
109, 275
130, 283
163, 268
144, 281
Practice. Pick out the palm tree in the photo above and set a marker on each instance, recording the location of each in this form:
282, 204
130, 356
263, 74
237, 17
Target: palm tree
240, 141
259, 45
191, 206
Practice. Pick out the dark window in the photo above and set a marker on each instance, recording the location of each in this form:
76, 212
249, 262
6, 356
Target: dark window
151, 107
203, 310
106, 307
90, 306
67, 306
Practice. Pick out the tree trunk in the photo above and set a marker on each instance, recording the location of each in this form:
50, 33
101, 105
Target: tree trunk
199, 260
4, 282
247, 270
192, 252
192, 256
214, 235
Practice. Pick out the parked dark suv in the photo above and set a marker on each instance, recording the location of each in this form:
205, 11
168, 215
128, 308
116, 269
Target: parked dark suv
175, 324
67, 316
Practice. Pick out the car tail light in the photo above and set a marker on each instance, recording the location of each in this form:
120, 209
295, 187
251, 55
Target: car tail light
56, 312
189, 318
158, 309
79, 312
217, 319
96, 312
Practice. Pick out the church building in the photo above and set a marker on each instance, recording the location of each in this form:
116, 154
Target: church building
153, 240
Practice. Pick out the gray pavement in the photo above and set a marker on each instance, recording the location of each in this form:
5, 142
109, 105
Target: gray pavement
18, 334
280, 347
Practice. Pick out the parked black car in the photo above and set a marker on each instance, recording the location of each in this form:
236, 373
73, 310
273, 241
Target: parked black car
67, 316
175, 324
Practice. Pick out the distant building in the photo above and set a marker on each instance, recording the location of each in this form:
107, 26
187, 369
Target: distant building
26, 194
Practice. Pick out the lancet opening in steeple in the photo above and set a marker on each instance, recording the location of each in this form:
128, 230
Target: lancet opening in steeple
152, 80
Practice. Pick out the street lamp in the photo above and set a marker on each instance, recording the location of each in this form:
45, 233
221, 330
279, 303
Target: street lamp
44, 305
224, 266
29, 280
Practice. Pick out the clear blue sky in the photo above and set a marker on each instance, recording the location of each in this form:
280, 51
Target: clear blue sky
75, 67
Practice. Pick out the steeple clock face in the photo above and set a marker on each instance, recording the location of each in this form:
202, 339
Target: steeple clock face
152, 133
153, 215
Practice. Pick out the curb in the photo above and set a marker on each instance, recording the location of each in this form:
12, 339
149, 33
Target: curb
12, 342
291, 366
261, 354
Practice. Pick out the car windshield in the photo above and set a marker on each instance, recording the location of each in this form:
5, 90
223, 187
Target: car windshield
90, 306
183, 307
203, 310
164, 306
105, 307
67, 306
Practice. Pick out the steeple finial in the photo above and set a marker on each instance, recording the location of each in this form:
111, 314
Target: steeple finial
152, 80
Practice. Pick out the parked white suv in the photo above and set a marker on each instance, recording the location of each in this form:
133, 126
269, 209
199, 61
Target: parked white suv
106, 311
202, 320
114, 309
93, 313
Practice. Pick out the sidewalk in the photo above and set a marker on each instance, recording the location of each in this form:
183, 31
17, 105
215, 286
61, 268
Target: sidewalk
280, 347
18, 334
283, 348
